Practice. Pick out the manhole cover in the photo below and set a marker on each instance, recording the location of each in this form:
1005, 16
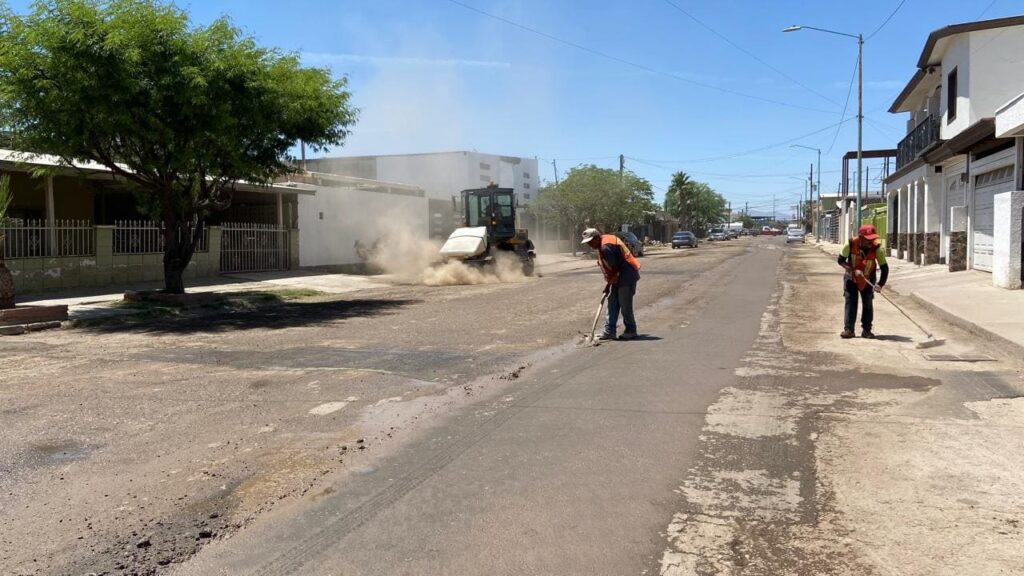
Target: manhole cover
959, 358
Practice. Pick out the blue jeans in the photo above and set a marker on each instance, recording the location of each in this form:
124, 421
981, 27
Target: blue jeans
620, 298
866, 297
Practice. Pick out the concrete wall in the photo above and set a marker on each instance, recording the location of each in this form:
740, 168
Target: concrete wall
335, 218
958, 57
997, 57
33, 275
1007, 239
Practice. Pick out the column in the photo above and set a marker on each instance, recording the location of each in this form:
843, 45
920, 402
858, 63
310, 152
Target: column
933, 197
51, 223
1007, 239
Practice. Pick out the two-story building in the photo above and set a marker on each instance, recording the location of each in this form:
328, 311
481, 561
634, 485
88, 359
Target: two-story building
957, 177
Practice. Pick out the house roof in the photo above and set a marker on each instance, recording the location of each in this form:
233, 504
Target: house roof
14, 159
937, 37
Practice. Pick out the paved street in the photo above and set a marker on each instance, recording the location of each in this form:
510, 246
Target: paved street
460, 430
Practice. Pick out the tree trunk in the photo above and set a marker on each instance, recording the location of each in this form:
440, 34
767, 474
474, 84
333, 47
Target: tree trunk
6, 281
178, 248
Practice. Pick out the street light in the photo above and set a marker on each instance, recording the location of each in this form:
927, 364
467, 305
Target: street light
860, 99
817, 187
800, 208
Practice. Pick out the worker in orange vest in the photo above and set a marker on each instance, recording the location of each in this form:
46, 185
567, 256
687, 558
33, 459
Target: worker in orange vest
862, 256
621, 273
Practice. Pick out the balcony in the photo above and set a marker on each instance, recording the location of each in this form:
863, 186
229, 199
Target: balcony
922, 137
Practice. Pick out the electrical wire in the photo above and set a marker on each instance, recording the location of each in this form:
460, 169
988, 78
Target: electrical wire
882, 25
849, 92
636, 65
750, 54
751, 151
987, 8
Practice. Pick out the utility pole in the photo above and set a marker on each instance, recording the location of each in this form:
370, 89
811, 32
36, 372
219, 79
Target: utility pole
554, 164
730, 213
746, 208
773, 209
622, 168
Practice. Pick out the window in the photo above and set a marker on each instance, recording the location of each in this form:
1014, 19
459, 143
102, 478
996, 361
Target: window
526, 185
526, 196
485, 166
526, 174
951, 93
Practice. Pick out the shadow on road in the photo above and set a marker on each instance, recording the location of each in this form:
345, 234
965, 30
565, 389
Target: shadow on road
893, 338
274, 317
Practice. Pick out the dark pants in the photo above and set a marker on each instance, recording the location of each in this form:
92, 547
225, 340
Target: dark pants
620, 298
866, 296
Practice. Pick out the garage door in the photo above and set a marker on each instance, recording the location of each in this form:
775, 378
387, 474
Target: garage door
986, 186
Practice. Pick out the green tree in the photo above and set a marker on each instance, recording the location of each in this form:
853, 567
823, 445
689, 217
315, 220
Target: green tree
747, 221
592, 196
180, 112
697, 205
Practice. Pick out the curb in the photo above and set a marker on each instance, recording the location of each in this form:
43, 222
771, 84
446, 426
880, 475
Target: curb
1004, 343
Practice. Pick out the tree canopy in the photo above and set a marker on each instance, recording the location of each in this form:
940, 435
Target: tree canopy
181, 112
696, 205
594, 197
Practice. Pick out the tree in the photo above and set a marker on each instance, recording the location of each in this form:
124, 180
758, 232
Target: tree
592, 196
697, 205
747, 221
181, 113
6, 279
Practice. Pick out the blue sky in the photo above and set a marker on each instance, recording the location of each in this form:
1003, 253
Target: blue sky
664, 90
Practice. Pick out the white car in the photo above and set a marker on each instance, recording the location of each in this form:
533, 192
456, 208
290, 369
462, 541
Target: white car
794, 235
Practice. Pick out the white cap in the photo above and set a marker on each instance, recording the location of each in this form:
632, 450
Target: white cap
589, 234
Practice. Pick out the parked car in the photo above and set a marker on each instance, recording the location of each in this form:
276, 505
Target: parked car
631, 241
717, 234
684, 238
794, 235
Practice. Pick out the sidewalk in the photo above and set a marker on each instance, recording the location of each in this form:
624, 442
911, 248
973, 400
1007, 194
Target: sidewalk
967, 299
96, 302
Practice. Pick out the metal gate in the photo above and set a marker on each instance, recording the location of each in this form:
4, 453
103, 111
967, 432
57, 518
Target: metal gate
247, 247
986, 186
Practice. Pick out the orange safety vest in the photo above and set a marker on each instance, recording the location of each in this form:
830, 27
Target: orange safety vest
865, 264
612, 276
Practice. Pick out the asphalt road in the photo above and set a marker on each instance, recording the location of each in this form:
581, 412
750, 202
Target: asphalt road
460, 430
573, 471
127, 450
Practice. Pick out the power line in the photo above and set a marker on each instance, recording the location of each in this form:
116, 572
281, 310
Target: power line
987, 8
882, 25
748, 152
630, 63
846, 105
755, 57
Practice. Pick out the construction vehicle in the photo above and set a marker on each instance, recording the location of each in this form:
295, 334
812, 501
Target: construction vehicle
489, 228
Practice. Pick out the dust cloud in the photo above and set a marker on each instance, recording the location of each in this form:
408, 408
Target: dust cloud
411, 259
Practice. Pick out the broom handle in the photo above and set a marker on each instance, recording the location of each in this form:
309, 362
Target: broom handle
907, 316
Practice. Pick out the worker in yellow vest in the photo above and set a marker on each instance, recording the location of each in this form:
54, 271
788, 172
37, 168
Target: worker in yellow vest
862, 256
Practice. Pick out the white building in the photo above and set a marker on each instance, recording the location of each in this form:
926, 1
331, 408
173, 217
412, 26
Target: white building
441, 175
958, 178
344, 213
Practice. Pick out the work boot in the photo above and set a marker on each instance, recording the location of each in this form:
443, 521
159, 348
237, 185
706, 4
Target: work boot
846, 334
604, 337
628, 336
867, 334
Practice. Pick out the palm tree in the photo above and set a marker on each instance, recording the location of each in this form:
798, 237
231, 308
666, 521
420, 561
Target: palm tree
6, 280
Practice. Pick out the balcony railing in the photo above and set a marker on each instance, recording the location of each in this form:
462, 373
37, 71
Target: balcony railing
920, 138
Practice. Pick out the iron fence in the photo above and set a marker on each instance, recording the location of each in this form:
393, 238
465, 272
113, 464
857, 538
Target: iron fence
146, 237
34, 239
248, 247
